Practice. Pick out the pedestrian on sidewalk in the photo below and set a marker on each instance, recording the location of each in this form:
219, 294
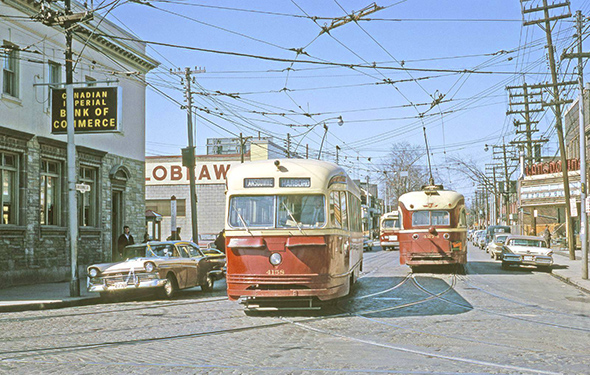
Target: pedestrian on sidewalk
547, 236
125, 239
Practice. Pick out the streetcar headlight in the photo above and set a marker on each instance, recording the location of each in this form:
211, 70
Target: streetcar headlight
446, 236
415, 236
275, 259
149, 267
93, 272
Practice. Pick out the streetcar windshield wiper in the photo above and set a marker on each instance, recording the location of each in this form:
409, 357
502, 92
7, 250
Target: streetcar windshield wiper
292, 217
242, 220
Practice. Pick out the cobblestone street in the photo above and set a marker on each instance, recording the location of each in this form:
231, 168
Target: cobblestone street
488, 321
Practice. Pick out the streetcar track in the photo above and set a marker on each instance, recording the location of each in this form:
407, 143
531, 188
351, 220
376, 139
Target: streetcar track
535, 305
238, 367
492, 312
155, 305
420, 352
374, 320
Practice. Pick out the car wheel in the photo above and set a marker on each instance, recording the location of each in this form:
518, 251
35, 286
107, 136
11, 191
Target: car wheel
171, 287
207, 286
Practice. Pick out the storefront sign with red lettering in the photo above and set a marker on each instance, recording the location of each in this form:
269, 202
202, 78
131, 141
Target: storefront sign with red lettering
173, 173
551, 167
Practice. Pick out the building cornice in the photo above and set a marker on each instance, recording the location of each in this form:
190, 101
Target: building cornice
85, 34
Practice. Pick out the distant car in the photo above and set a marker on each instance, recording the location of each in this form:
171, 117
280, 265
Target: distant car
207, 240
527, 250
475, 237
367, 244
163, 266
481, 239
494, 248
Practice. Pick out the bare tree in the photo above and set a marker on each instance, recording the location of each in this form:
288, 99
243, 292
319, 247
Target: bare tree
404, 171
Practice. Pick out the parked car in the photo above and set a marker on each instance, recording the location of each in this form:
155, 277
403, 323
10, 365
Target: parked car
481, 239
206, 240
475, 237
494, 248
367, 244
527, 250
163, 266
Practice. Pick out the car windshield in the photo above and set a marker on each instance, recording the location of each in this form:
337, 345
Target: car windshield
165, 250
134, 252
501, 239
278, 211
390, 224
526, 242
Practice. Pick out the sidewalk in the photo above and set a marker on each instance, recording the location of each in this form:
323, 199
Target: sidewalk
569, 271
44, 296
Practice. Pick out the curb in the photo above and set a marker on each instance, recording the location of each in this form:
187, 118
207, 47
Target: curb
34, 306
567, 280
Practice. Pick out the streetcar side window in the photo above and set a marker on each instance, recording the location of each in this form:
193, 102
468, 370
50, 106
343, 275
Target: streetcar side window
462, 219
343, 207
335, 213
355, 220
420, 218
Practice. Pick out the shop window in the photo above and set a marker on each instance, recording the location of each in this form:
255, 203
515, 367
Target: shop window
8, 187
87, 201
10, 71
50, 191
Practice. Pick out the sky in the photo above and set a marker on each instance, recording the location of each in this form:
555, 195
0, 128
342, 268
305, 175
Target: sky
270, 69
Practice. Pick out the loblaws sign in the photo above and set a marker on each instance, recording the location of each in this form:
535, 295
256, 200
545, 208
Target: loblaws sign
173, 173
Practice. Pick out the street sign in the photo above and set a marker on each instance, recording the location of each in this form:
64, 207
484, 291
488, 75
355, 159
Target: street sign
82, 188
535, 213
573, 207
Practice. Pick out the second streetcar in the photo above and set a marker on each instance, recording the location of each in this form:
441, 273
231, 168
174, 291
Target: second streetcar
434, 228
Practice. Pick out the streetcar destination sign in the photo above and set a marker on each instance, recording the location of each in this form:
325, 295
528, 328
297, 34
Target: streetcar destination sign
95, 110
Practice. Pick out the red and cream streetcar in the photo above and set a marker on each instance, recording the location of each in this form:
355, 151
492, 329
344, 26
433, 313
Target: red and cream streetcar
293, 233
434, 227
389, 228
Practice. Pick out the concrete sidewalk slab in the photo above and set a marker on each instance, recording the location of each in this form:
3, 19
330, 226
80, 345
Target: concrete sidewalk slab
43, 296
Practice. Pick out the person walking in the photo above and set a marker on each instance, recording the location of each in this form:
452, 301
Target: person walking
547, 235
124, 239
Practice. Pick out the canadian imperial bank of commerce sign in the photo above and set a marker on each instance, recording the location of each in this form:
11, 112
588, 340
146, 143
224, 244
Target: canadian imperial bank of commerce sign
95, 110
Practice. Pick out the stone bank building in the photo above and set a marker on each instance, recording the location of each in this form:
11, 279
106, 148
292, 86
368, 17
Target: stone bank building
34, 243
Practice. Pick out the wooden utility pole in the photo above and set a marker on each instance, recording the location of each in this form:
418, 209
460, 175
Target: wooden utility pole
545, 24
582, 136
67, 20
190, 161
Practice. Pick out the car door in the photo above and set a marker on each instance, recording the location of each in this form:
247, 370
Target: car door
203, 263
189, 264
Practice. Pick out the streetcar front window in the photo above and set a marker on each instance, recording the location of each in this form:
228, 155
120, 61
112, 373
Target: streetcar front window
425, 218
440, 218
291, 211
421, 218
301, 211
252, 211
390, 224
